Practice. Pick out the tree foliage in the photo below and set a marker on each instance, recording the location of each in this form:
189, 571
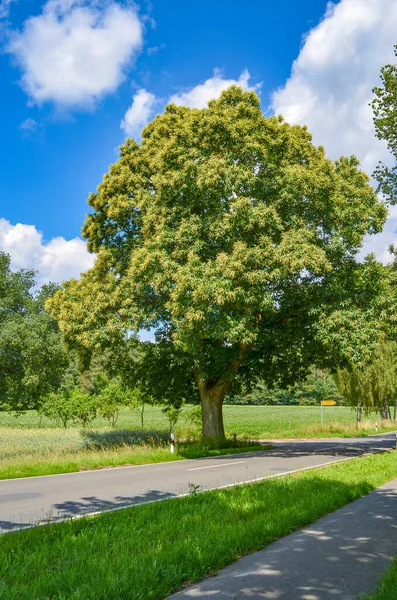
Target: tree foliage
32, 359
233, 237
319, 385
373, 387
384, 107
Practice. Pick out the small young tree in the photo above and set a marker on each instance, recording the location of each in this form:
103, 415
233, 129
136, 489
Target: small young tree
69, 406
84, 407
56, 407
110, 400
172, 413
137, 400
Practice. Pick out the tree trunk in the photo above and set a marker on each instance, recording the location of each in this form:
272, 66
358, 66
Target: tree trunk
395, 409
212, 393
211, 409
142, 413
358, 412
384, 412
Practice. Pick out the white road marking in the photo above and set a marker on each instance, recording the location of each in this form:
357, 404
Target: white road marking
97, 513
237, 462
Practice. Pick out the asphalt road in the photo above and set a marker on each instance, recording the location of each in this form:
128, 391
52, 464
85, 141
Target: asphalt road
29, 501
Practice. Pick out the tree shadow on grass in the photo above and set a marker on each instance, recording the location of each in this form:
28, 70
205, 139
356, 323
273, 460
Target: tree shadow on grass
118, 438
340, 557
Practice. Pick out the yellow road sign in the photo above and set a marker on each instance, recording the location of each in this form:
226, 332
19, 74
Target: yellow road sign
328, 402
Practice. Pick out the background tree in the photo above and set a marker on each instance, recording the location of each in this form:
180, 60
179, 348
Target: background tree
319, 385
69, 406
110, 400
384, 107
232, 236
374, 386
32, 358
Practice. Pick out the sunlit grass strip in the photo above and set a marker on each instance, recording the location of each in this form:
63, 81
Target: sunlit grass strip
112, 457
387, 587
148, 551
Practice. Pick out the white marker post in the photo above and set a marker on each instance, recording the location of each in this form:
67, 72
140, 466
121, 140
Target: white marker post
172, 442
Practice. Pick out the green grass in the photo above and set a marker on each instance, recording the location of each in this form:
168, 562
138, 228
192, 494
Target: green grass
258, 422
147, 552
387, 588
121, 455
27, 450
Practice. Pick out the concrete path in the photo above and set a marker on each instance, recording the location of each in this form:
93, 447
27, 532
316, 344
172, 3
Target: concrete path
340, 557
28, 501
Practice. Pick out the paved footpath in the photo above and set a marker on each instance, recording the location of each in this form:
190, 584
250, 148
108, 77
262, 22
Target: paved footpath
28, 501
340, 557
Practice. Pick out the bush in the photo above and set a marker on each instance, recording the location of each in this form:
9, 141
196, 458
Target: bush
69, 406
109, 401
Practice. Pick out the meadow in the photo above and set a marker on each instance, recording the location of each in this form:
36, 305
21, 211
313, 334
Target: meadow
33, 446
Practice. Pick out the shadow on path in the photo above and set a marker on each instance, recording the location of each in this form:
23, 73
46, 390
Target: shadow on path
340, 557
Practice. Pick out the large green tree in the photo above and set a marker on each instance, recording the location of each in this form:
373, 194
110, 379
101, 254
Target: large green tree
32, 359
232, 236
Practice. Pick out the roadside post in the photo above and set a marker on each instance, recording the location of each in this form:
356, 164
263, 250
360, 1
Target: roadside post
172, 443
325, 403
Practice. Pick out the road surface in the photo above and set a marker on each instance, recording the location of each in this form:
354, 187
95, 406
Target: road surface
29, 501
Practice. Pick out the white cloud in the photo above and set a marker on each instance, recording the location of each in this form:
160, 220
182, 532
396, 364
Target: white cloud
331, 83
143, 104
5, 8
29, 125
200, 95
56, 260
139, 113
75, 52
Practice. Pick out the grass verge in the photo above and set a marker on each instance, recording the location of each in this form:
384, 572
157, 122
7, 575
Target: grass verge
149, 551
387, 588
31, 466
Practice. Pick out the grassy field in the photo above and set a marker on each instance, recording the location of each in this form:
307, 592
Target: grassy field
27, 449
252, 421
147, 552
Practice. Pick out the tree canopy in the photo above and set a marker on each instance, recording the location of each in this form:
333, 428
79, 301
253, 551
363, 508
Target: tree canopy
32, 359
234, 238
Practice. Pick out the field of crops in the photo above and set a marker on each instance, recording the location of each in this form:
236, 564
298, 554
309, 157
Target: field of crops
21, 436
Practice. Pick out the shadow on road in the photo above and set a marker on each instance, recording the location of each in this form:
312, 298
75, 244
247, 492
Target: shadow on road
90, 504
6, 526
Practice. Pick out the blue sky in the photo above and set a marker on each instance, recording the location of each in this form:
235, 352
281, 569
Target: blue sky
65, 110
